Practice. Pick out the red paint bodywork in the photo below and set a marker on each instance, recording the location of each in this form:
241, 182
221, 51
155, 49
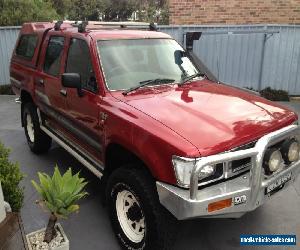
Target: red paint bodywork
198, 119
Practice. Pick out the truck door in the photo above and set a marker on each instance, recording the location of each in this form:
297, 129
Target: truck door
48, 78
83, 110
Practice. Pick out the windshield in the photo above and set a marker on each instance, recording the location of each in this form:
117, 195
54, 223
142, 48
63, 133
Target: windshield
127, 63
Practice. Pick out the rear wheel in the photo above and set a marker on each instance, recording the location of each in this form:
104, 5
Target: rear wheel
38, 141
138, 219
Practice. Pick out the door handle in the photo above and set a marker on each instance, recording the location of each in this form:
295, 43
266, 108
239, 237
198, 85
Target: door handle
63, 92
41, 81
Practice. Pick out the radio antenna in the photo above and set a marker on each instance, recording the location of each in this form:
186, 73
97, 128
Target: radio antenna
218, 61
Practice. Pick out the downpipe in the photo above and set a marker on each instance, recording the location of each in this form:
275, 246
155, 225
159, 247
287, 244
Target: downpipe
4, 206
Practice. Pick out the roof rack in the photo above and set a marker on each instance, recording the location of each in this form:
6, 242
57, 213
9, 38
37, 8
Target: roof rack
84, 25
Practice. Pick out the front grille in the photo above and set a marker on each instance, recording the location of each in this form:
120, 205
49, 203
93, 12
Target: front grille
245, 146
234, 168
240, 165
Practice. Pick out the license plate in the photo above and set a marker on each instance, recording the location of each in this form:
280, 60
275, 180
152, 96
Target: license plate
279, 183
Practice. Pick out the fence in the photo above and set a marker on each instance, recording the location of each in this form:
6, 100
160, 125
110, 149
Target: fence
254, 56
257, 57
8, 37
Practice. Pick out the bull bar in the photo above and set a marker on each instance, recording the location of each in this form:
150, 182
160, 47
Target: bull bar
193, 203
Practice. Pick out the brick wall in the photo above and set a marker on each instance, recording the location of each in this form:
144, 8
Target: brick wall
234, 11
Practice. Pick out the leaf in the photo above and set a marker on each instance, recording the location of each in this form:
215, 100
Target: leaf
64, 197
73, 208
51, 207
45, 183
38, 188
62, 212
57, 180
59, 203
74, 198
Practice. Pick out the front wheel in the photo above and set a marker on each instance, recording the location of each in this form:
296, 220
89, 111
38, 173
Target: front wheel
138, 219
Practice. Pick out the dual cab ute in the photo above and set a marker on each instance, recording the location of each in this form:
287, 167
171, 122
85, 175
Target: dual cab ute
167, 140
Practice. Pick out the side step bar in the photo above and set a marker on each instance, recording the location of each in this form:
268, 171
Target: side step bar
77, 155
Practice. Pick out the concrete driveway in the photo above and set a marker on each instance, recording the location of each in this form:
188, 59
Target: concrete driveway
90, 228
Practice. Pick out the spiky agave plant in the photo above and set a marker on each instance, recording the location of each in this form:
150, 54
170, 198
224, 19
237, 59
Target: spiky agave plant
59, 195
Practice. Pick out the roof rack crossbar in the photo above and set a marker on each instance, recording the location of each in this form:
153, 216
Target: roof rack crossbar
83, 26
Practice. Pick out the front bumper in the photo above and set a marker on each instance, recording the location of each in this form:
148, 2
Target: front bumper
193, 203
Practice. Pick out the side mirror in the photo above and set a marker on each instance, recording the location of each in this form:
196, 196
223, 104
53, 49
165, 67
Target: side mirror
72, 80
178, 54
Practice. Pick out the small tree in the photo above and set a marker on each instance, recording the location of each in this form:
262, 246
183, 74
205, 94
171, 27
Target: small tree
86, 9
10, 178
16, 12
59, 195
120, 10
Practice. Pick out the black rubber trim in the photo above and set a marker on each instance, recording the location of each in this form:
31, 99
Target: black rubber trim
75, 149
65, 122
223, 180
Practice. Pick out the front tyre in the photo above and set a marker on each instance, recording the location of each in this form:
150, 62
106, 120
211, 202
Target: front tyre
38, 141
138, 219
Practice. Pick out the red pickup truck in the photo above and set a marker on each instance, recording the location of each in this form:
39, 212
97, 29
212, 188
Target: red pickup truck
167, 140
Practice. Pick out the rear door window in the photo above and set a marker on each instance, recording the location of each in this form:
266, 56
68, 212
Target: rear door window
26, 46
53, 55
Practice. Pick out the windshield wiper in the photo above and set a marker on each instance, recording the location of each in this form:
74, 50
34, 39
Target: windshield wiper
188, 78
148, 82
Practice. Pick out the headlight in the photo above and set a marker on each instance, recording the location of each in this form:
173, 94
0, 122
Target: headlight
290, 150
207, 171
183, 170
272, 160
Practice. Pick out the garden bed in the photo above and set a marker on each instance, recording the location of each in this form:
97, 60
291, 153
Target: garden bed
12, 235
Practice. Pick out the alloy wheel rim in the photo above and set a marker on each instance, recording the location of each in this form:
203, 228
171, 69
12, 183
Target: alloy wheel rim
130, 216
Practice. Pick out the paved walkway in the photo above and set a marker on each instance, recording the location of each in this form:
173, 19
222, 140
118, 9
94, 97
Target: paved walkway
90, 228
11, 233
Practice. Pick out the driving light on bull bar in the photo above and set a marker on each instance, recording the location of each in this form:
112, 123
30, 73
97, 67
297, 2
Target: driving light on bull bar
290, 151
293, 154
184, 167
272, 160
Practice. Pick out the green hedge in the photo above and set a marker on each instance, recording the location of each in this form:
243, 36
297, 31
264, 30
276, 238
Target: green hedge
273, 94
10, 177
6, 90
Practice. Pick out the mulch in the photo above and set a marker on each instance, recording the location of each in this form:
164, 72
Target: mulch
12, 235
